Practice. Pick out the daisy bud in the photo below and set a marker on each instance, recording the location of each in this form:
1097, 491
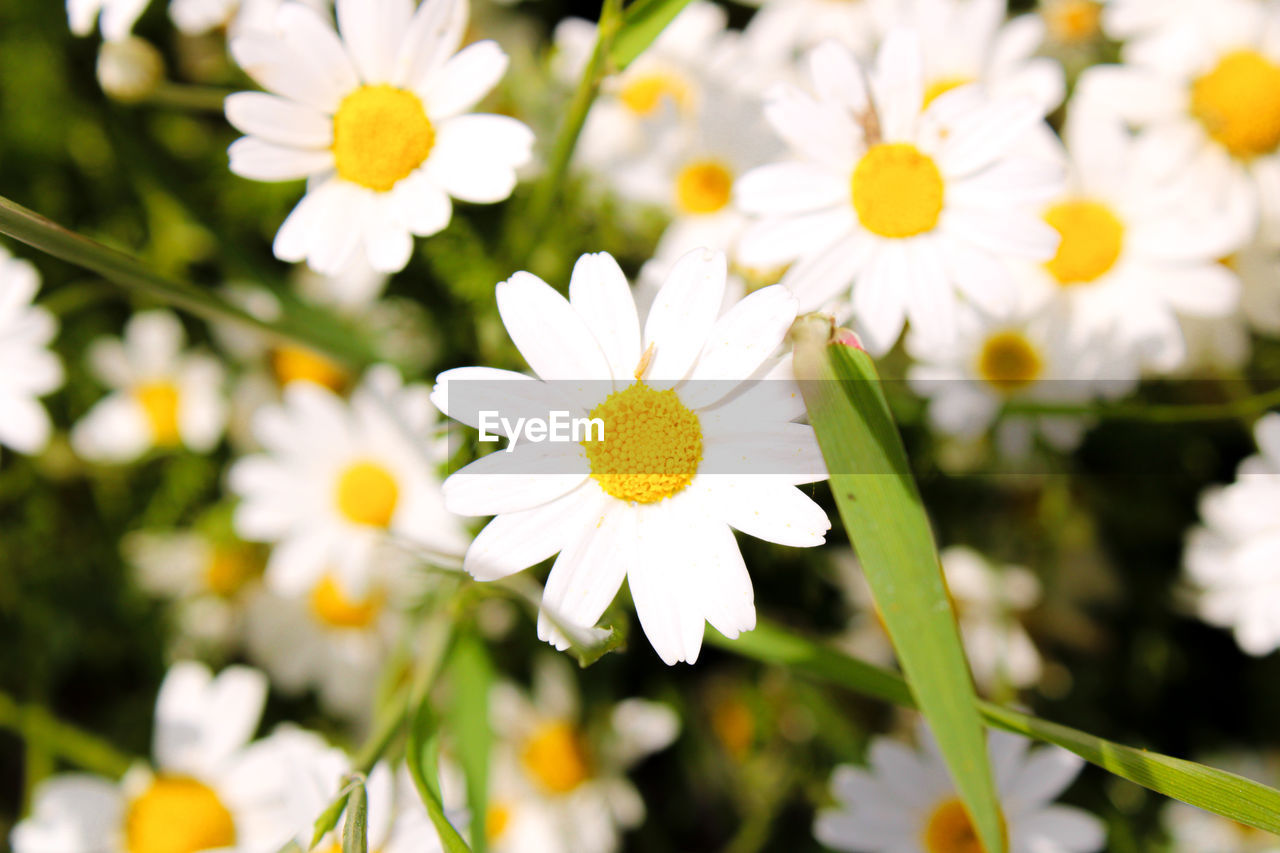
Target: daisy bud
129, 70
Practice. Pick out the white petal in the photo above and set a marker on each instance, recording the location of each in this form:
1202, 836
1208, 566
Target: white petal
550, 335
779, 240
423, 207
466, 78
464, 392
371, 31
475, 156
822, 132
259, 160
829, 273
599, 292
1208, 290
739, 343
787, 451
836, 76
279, 120
791, 187
684, 312
518, 540
898, 83
434, 34
201, 721
767, 510
670, 617
880, 297
587, 574
518, 479
984, 135
387, 242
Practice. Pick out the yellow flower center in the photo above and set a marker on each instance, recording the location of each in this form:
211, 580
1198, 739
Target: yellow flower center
367, 494
897, 191
1238, 102
1009, 361
229, 568
1073, 21
1092, 239
159, 402
496, 820
556, 757
703, 186
331, 606
177, 814
299, 364
651, 447
380, 135
942, 85
950, 831
645, 94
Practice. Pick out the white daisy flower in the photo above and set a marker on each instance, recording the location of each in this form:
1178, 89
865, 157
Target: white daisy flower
669, 533
912, 205
209, 787
905, 801
1213, 102
376, 119
28, 370
1230, 558
338, 481
196, 17
1192, 830
117, 16
1138, 247
1026, 355
1072, 23
161, 397
554, 785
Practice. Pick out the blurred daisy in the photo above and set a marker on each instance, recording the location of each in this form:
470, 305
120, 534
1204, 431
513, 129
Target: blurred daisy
208, 578
638, 495
784, 30
1138, 249
1212, 102
1026, 355
117, 16
376, 119
906, 801
209, 788
554, 783
911, 205
1231, 559
338, 481
196, 17
162, 396
1072, 23
1192, 830
28, 370
1223, 345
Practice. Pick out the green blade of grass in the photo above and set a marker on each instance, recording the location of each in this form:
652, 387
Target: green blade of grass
468, 719
1226, 794
642, 23
355, 829
422, 757
882, 512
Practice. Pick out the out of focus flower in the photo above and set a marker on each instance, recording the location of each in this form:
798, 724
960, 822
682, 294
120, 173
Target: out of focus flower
637, 495
1224, 344
784, 30
161, 397
28, 370
129, 69
339, 481
911, 205
556, 785
1071, 23
194, 17
906, 801
1192, 830
209, 787
118, 16
376, 119
1231, 559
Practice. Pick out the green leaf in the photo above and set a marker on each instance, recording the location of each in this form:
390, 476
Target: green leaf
642, 23
1234, 797
882, 512
355, 830
422, 757
469, 721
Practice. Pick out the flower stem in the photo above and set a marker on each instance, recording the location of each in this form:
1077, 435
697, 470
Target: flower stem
43, 732
1161, 413
184, 96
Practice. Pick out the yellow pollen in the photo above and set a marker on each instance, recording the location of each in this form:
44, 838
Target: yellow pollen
651, 448
159, 402
229, 568
645, 94
898, 191
177, 814
367, 494
331, 606
380, 135
950, 831
1009, 362
298, 364
1092, 239
703, 186
942, 85
1073, 21
556, 757
1238, 103
496, 819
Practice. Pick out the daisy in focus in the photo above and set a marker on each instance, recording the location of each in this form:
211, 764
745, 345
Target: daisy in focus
687, 461
162, 397
555, 784
209, 787
1231, 557
339, 481
912, 206
28, 369
375, 116
905, 801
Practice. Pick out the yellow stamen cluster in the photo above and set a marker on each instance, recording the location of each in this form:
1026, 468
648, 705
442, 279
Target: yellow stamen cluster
367, 494
898, 191
949, 830
644, 94
703, 186
299, 364
159, 402
333, 607
496, 820
651, 448
229, 568
1238, 103
1009, 362
380, 135
1073, 21
1092, 240
177, 814
556, 758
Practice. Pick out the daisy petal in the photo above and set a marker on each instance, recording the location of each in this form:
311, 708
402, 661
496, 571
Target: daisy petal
767, 510
550, 335
739, 343
371, 30
518, 540
671, 619
475, 156
432, 37
599, 292
279, 120
259, 160
587, 575
796, 187
684, 312
521, 478
466, 78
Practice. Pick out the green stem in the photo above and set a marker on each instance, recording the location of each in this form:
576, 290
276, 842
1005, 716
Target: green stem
184, 96
44, 732
29, 227
1163, 413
